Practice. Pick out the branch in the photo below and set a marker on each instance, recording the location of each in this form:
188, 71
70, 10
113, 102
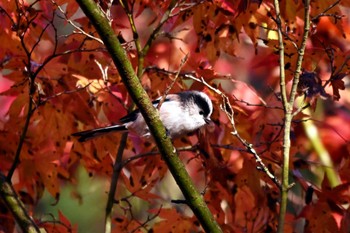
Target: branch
288, 104
150, 115
135, 34
14, 204
149, 219
117, 167
79, 30
23, 135
31, 77
226, 107
281, 55
287, 123
155, 32
152, 153
325, 14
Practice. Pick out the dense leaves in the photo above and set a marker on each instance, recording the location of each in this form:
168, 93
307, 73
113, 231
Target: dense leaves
57, 79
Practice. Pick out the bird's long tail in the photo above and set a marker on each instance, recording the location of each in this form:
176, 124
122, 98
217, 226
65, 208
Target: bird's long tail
89, 134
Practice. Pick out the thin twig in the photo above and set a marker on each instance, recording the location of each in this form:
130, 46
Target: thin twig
155, 32
31, 77
129, 12
185, 7
162, 99
152, 153
75, 26
323, 13
226, 107
149, 219
44, 100
117, 167
22, 137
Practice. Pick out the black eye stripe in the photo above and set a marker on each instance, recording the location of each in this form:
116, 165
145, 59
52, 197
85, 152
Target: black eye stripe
185, 96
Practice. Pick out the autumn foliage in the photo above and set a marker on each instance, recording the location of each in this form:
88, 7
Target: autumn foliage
58, 78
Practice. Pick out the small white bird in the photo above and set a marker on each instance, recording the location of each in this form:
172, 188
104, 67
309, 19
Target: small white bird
181, 113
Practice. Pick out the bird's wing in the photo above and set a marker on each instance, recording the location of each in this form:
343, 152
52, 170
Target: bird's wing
134, 114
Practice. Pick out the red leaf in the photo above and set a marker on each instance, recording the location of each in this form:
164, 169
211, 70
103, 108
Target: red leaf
337, 84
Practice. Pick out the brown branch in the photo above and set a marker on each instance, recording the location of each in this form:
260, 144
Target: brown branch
155, 32
149, 219
323, 13
117, 167
140, 57
31, 78
79, 30
162, 99
226, 107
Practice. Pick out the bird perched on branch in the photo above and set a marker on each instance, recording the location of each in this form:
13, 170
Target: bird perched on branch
181, 113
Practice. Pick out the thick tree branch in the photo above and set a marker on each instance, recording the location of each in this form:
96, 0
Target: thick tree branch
14, 204
150, 115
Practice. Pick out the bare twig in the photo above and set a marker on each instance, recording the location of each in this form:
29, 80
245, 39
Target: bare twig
184, 6
149, 219
31, 77
323, 13
44, 100
263, 105
226, 107
155, 32
129, 12
117, 167
2, 10
79, 30
41, 34
162, 99
152, 153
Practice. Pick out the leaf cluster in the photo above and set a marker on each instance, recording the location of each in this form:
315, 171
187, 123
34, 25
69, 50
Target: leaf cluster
57, 78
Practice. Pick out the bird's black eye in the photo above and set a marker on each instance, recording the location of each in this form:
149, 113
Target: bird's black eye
201, 112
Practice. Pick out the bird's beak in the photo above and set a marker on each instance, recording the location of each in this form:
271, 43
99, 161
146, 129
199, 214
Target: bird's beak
208, 120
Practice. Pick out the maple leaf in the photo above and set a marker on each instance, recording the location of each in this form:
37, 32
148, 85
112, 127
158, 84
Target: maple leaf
227, 6
220, 37
337, 84
63, 225
174, 220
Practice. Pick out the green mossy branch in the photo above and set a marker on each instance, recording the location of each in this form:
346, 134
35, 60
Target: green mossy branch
151, 116
14, 204
288, 104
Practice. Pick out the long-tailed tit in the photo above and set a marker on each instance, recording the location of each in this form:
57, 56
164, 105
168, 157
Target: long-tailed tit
181, 113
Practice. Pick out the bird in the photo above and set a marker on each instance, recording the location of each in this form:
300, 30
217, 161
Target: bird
181, 113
